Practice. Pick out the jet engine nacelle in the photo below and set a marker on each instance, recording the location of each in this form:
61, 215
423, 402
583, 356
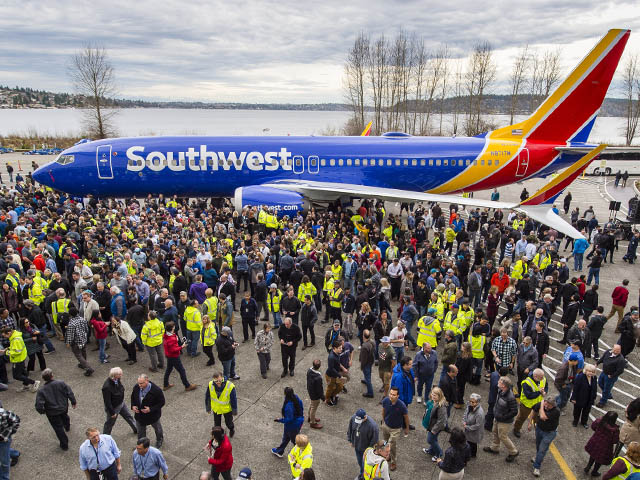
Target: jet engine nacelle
282, 201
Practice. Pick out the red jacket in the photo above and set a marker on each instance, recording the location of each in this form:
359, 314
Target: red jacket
39, 263
619, 296
502, 284
100, 328
171, 347
222, 458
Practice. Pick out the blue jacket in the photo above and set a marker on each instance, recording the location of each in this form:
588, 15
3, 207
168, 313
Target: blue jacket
114, 305
580, 245
424, 367
404, 383
493, 387
292, 423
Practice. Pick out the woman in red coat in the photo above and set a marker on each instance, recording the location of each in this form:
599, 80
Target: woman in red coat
601, 444
220, 454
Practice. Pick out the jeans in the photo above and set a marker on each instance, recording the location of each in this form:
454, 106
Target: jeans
410, 340
427, 381
563, 398
366, 371
359, 457
194, 337
229, 368
102, 343
543, 440
277, 319
477, 366
265, 359
45, 337
399, 353
5, 460
287, 436
593, 273
577, 261
177, 364
474, 298
138, 330
434, 446
606, 385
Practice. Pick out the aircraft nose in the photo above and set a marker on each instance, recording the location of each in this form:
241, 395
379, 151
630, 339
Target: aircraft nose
44, 175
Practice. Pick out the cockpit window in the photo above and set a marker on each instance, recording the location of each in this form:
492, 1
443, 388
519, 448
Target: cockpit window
65, 159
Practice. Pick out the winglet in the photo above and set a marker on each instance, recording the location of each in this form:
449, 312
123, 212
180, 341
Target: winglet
562, 181
367, 130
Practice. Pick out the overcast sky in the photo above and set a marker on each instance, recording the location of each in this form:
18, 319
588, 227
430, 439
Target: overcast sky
277, 51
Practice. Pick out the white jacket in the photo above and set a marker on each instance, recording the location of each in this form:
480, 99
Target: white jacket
125, 333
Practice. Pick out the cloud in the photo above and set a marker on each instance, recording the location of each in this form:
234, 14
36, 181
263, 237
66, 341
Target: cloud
276, 51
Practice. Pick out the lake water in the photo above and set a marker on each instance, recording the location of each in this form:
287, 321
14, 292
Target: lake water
160, 121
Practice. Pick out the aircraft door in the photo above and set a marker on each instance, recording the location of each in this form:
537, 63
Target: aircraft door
298, 164
523, 163
313, 164
103, 162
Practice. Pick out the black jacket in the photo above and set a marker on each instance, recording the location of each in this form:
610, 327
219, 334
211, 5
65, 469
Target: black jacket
613, 366
541, 342
332, 336
154, 399
584, 393
308, 314
112, 394
449, 388
314, 385
224, 346
292, 334
506, 407
36, 317
53, 398
333, 366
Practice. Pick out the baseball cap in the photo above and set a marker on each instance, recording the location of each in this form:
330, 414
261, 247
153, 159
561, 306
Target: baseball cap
433, 270
244, 474
431, 310
273, 285
336, 322
450, 271
385, 340
455, 305
360, 414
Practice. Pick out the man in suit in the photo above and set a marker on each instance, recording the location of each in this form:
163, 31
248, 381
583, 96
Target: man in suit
147, 401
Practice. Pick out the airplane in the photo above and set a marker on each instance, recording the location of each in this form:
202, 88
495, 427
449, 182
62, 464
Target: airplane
289, 173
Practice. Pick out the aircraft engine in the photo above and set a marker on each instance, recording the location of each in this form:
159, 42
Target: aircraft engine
282, 201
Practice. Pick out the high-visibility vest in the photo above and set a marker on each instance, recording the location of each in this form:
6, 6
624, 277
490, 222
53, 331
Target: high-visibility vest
273, 301
536, 388
17, 350
335, 295
467, 317
439, 306
388, 232
371, 472
152, 332
630, 469
391, 253
271, 221
337, 272
306, 289
172, 279
519, 269
212, 308
208, 335
13, 281
542, 262
262, 217
59, 306
229, 259
328, 285
35, 292
517, 223
221, 404
477, 345
428, 327
303, 458
451, 323
193, 318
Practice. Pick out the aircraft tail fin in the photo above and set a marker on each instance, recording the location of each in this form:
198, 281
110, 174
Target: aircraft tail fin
551, 190
569, 111
367, 130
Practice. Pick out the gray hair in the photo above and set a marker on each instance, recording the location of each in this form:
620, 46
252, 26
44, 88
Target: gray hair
589, 367
506, 381
144, 376
115, 371
115, 290
475, 396
47, 374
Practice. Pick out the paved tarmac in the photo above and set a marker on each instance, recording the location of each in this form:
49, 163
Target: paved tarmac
187, 426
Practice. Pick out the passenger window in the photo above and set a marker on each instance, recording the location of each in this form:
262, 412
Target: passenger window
468, 162
438, 163
332, 162
341, 162
423, 163
405, 162
380, 162
298, 161
323, 162
365, 162
488, 162
348, 162
357, 162
414, 162
482, 162
497, 163
389, 162
446, 162
431, 163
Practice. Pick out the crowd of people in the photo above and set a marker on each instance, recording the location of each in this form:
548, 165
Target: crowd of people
472, 293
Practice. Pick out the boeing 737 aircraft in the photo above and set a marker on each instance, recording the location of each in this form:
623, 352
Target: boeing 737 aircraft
288, 172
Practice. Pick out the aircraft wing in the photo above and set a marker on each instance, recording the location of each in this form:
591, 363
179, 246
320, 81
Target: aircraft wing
327, 191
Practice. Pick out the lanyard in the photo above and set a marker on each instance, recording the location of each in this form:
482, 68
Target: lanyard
95, 450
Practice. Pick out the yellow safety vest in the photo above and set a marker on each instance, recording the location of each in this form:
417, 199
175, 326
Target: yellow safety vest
273, 301
630, 468
271, 221
17, 350
35, 292
388, 232
517, 223
542, 263
303, 458
262, 217
467, 316
391, 253
439, 306
208, 335
328, 285
452, 324
337, 272
306, 289
172, 279
14, 281
212, 308
519, 269
222, 404
477, 345
536, 388
193, 318
427, 331
152, 332
59, 306
334, 302
229, 259
371, 472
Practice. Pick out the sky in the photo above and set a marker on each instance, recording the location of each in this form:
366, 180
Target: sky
284, 51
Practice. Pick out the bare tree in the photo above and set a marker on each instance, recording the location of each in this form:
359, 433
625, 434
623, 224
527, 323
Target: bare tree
550, 71
93, 77
458, 89
420, 62
378, 77
355, 79
518, 77
433, 80
631, 86
446, 60
481, 72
